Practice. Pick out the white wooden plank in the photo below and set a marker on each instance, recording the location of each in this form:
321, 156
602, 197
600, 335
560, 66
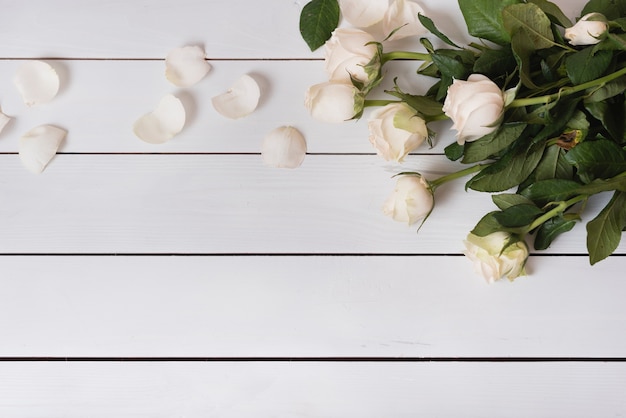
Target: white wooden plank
232, 204
343, 390
100, 101
149, 29
318, 306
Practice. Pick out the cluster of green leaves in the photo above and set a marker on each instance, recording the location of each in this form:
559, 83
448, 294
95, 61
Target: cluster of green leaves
562, 138
564, 135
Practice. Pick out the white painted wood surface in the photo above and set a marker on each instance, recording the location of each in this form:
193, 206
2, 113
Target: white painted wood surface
194, 250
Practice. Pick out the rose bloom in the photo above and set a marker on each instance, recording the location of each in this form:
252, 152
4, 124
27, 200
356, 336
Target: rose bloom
475, 106
497, 255
395, 130
403, 14
588, 30
333, 102
346, 54
411, 201
363, 13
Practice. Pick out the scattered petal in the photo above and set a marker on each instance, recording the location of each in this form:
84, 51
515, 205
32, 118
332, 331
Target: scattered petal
4, 119
186, 66
37, 82
163, 123
240, 100
39, 145
283, 147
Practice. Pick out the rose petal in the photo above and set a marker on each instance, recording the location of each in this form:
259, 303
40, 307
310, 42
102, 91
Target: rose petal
240, 100
186, 66
37, 82
4, 119
283, 147
39, 145
163, 123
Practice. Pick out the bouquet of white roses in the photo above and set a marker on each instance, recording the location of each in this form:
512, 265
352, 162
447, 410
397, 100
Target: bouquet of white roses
537, 104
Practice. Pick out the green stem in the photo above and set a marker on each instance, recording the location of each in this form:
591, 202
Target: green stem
557, 210
456, 175
405, 55
567, 90
379, 102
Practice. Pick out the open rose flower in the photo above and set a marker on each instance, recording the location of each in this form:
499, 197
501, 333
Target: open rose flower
497, 255
347, 54
411, 201
363, 13
333, 102
475, 106
402, 17
395, 130
588, 30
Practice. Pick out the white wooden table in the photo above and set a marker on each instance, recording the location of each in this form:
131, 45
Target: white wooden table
190, 280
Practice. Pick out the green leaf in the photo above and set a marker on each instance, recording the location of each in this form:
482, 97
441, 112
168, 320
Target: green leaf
452, 63
506, 200
612, 9
597, 159
318, 19
487, 225
553, 190
529, 29
493, 143
599, 186
518, 215
553, 12
430, 25
427, 107
484, 19
612, 114
454, 151
585, 65
512, 169
550, 229
604, 232
496, 63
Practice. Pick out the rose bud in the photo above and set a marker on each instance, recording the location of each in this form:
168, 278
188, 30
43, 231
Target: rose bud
402, 17
363, 13
497, 255
475, 106
588, 30
347, 53
411, 201
395, 130
333, 102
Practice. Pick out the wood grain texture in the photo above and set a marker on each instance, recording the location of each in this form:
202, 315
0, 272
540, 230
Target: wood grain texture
305, 306
222, 204
342, 390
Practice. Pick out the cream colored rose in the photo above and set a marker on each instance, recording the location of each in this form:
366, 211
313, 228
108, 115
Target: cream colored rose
497, 255
588, 30
333, 102
475, 106
395, 130
403, 14
411, 201
363, 13
346, 54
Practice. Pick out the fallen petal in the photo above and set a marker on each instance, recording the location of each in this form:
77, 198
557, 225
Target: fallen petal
240, 100
4, 119
163, 123
186, 66
39, 145
37, 82
283, 147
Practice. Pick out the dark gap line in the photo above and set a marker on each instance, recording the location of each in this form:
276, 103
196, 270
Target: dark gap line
174, 254
150, 59
369, 154
318, 359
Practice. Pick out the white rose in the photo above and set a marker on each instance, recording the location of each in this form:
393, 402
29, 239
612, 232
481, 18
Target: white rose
475, 106
395, 130
346, 54
411, 201
497, 255
333, 102
403, 14
363, 13
588, 30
